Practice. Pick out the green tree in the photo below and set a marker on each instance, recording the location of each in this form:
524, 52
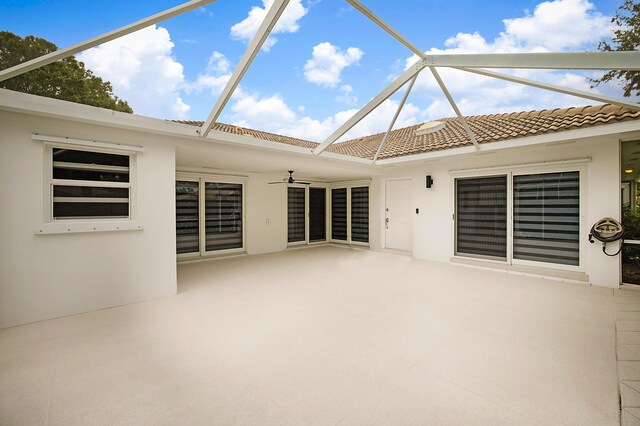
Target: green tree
66, 79
626, 38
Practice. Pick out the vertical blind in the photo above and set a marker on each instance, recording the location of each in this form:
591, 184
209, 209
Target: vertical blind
223, 216
187, 217
317, 214
339, 214
481, 216
360, 214
546, 217
295, 215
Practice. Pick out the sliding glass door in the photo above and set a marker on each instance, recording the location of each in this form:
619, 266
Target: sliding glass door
209, 216
306, 214
350, 215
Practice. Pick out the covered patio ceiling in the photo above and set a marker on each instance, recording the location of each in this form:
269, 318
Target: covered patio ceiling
473, 63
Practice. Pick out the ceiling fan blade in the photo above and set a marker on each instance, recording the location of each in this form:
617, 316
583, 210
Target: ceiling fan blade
303, 183
273, 183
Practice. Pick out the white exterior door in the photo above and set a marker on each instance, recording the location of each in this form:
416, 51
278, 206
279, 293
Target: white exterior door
398, 218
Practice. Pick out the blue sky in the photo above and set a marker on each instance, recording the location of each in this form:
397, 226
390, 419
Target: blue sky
324, 60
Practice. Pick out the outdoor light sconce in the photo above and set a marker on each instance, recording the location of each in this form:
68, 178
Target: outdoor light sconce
429, 181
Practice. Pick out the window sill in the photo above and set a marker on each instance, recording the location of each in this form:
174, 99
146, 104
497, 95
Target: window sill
90, 226
548, 272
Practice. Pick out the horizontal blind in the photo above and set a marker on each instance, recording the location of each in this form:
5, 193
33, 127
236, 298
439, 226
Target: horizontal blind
360, 214
223, 216
295, 215
481, 216
339, 214
546, 217
187, 217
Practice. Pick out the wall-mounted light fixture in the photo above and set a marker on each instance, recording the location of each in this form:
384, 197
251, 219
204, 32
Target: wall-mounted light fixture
429, 181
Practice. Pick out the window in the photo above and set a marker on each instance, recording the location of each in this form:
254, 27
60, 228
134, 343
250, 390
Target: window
209, 215
360, 214
481, 212
89, 185
295, 215
317, 214
187, 217
339, 214
546, 217
525, 216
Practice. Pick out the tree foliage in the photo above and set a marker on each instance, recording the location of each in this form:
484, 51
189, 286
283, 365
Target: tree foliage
66, 79
626, 38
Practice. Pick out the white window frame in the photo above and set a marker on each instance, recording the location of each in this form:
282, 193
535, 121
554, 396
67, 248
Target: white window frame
348, 186
580, 165
50, 225
202, 179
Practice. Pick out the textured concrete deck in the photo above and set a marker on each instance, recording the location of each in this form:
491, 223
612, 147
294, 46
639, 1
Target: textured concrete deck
326, 336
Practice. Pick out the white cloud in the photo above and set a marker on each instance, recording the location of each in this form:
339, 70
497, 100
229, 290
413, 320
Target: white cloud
560, 25
327, 63
273, 114
347, 96
142, 71
289, 22
214, 78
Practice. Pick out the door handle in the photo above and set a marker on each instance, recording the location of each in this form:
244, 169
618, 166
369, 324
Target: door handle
386, 223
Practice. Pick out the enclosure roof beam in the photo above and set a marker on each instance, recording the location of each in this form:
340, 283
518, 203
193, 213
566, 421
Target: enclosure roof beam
412, 71
547, 60
546, 86
269, 21
463, 120
395, 117
378, 21
111, 35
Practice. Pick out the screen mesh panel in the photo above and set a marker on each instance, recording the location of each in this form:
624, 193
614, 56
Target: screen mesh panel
546, 217
339, 214
295, 215
481, 216
360, 214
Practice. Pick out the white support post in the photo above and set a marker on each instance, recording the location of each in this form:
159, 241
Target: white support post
412, 71
463, 120
111, 35
395, 117
552, 87
258, 40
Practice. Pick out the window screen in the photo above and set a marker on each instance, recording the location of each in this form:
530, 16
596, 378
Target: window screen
223, 216
317, 214
187, 217
546, 217
89, 184
360, 214
295, 215
481, 216
339, 214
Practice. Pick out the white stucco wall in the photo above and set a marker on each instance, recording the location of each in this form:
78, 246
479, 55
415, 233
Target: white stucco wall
433, 226
47, 276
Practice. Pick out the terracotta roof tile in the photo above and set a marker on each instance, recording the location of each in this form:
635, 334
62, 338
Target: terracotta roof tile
243, 131
487, 128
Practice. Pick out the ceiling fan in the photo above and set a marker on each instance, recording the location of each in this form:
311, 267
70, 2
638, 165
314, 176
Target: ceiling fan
291, 180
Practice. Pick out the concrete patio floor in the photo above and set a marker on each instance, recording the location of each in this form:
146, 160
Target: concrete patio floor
324, 335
